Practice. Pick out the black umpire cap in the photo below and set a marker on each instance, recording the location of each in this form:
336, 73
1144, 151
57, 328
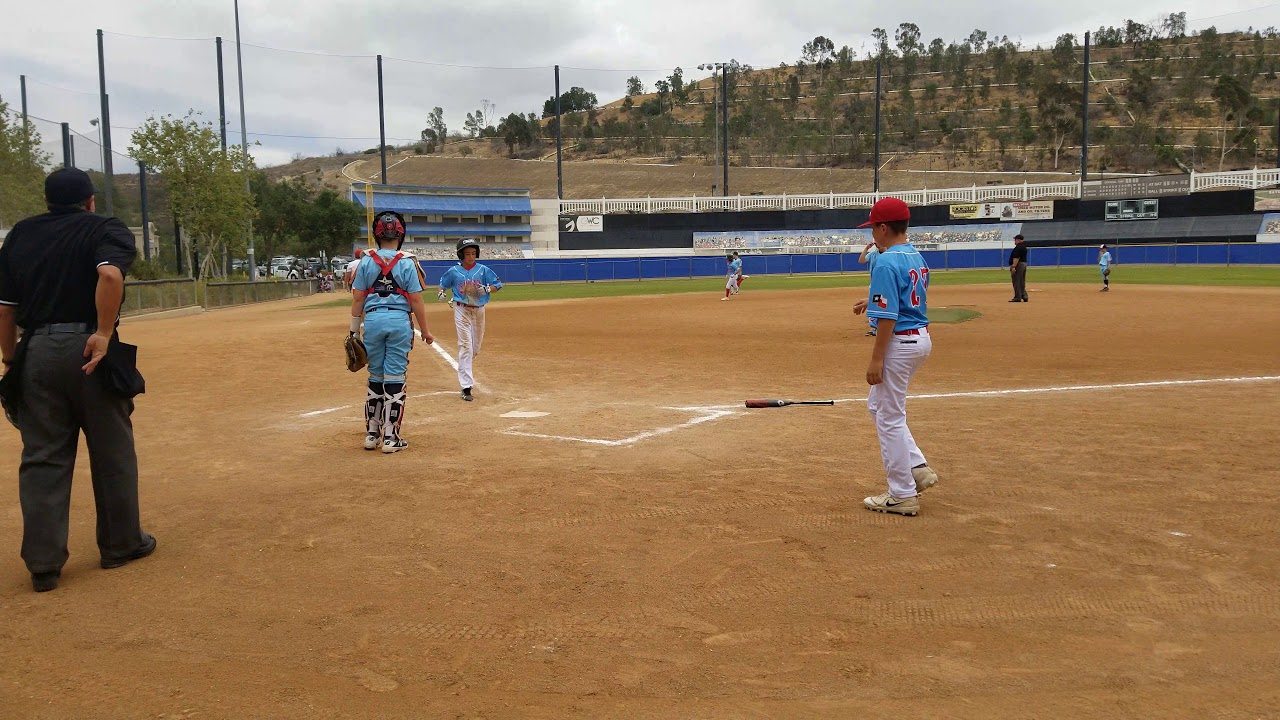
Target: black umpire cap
68, 186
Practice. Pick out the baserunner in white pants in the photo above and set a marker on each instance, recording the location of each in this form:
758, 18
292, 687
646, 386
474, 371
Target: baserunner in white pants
899, 284
471, 284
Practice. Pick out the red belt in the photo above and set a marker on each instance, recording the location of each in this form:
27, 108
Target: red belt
906, 332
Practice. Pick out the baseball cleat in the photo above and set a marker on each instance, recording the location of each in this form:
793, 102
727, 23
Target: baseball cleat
925, 478
887, 503
371, 442
391, 445
466, 394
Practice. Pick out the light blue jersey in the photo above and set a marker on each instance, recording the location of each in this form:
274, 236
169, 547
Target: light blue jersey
899, 284
872, 255
468, 285
735, 267
1105, 260
382, 293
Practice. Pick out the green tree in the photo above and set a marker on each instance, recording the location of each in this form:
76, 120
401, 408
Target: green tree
634, 86
1239, 115
282, 209
206, 186
436, 131
331, 223
1057, 105
575, 100
22, 169
515, 131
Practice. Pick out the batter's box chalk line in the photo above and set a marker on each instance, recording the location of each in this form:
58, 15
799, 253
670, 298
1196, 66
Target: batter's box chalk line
711, 413
704, 415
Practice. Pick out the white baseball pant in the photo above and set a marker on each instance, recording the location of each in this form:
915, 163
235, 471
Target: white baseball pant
888, 405
469, 321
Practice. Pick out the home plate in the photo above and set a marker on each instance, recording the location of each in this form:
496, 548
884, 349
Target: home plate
524, 414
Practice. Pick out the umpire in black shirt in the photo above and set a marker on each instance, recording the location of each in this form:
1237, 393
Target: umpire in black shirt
62, 282
1018, 269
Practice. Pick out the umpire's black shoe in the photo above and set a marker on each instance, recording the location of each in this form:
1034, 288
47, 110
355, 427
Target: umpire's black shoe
147, 547
44, 582
466, 394
1016, 300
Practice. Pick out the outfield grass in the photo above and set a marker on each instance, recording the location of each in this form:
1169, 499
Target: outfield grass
1249, 276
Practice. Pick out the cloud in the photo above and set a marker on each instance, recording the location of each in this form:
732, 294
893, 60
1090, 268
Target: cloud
332, 101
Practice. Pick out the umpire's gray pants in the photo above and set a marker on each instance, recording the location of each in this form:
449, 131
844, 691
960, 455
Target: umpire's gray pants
58, 401
1020, 281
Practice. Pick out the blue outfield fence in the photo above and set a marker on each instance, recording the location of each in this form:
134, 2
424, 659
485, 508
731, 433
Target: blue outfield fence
703, 266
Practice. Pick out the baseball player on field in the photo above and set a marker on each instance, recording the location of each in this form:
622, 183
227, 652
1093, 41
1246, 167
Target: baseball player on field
897, 299
471, 283
741, 277
387, 288
1104, 266
734, 276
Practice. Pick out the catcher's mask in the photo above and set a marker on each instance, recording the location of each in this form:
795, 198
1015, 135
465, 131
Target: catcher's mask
389, 225
465, 243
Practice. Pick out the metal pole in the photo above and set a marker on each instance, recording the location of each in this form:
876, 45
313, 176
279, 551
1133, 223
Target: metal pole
1084, 120
106, 126
72, 138
382, 125
559, 169
724, 118
67, 145
146, 228
222, 99
22, 80
177, 244
876, 178
244, 139
24, 105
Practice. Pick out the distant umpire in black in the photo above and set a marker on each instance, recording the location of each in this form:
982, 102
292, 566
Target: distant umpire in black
1018, 269
62, 282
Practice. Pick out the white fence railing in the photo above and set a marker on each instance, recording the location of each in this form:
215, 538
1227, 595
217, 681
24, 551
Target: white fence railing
1246, 179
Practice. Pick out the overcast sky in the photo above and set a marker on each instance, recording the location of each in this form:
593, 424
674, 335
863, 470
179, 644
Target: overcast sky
334, 99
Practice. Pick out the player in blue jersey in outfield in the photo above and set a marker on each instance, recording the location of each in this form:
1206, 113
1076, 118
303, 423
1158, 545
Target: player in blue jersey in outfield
733, 278
471, 284
386, 290
897, 300
1104, 267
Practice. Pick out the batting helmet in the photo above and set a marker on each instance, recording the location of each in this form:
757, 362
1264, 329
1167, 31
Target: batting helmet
465, 243
389, 225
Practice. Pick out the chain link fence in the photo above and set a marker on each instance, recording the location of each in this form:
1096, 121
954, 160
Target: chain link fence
217, 295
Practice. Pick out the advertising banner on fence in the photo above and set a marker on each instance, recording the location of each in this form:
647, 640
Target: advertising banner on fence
581, 223
938, 237
1011, 211
1266, 200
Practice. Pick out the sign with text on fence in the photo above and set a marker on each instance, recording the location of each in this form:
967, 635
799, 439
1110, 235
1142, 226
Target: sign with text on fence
581, 223
1009, 211
1137, 187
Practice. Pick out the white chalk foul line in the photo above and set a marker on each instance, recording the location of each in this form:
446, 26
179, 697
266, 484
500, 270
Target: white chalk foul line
717, 412
326, 411
708, 414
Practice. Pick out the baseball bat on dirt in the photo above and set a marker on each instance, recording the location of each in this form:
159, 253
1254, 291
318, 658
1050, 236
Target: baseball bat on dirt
784, 403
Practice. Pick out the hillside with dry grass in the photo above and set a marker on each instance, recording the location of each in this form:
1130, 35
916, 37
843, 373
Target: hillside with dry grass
1160, 100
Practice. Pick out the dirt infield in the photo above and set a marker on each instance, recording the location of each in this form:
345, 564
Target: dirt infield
650, 549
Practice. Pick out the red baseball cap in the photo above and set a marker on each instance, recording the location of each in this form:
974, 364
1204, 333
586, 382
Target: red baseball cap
887, 210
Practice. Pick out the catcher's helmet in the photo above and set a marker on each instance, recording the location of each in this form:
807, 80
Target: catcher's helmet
465, 243
389, 225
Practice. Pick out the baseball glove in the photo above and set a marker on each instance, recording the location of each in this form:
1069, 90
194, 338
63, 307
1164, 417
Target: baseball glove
357, 356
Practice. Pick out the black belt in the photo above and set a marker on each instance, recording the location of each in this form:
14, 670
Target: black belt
65, 329
384, 308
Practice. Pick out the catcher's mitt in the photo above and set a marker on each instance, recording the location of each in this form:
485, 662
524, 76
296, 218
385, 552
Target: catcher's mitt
357, 356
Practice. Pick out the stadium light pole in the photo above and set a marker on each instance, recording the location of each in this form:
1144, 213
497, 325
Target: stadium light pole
1084, 120
22, 80
724, 117
222, 98
244, 139
875, 182
382, 125
559, 168
720, 110
106, 125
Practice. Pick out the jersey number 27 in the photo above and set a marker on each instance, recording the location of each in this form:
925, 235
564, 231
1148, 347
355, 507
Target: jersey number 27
918, 277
